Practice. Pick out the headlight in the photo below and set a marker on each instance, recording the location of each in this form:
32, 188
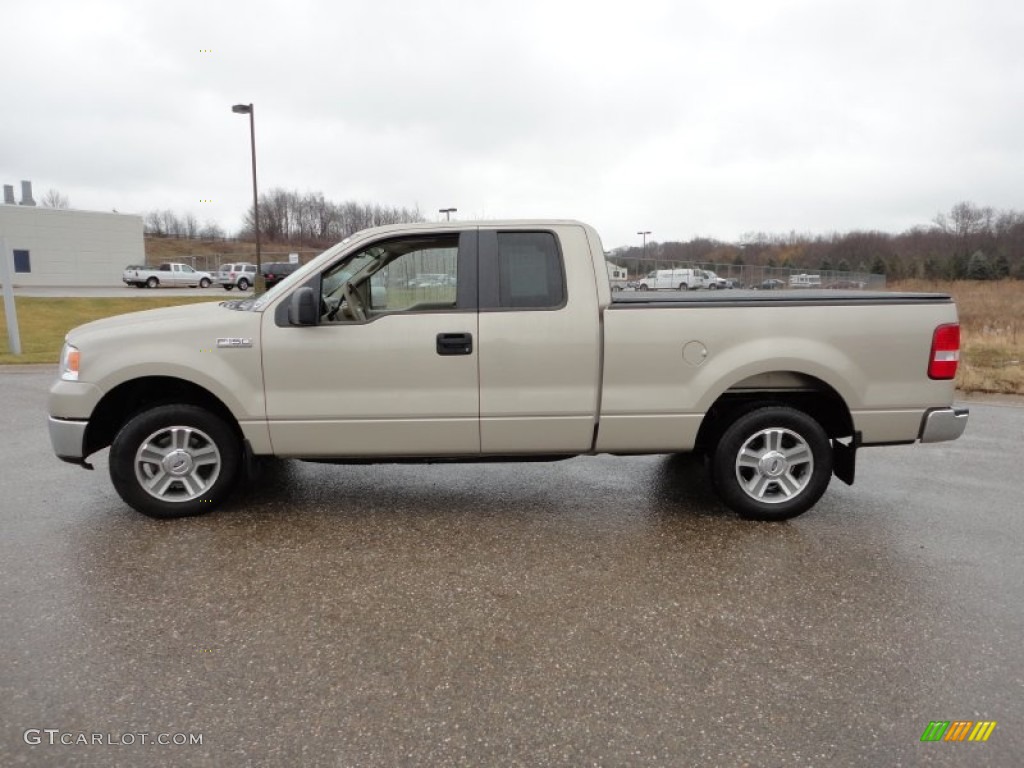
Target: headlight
69, 359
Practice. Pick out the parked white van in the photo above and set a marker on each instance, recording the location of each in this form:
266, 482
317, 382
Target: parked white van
672, 279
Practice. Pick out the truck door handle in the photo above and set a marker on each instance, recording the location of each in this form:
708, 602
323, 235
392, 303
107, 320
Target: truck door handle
454, 343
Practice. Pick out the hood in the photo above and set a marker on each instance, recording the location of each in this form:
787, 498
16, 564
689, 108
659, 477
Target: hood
157, 321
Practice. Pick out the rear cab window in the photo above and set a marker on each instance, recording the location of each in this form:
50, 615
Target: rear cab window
521, 270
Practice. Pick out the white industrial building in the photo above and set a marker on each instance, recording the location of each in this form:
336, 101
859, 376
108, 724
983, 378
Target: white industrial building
56, 246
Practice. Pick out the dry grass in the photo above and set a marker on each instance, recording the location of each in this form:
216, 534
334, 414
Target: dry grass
991, 329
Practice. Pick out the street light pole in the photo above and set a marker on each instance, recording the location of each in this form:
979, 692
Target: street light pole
447, 212
645, 233
248, 109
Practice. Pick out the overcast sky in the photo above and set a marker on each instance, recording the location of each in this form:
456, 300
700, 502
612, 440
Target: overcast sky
712, 118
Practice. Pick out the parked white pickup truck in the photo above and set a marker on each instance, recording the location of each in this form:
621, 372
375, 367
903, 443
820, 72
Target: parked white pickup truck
522, 354
169, 274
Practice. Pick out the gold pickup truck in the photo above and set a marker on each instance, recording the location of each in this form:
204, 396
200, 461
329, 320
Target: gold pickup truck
515, 348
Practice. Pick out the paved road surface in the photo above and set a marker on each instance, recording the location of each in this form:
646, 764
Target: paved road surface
599, 611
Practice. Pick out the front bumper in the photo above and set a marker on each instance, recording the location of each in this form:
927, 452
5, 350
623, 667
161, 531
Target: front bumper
68, 439
941, 424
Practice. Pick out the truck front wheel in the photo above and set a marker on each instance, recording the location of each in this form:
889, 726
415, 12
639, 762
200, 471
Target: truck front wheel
152, 282
174, 461
772, 463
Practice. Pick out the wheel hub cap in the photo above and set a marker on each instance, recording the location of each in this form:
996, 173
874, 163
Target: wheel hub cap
178, 463
773, 464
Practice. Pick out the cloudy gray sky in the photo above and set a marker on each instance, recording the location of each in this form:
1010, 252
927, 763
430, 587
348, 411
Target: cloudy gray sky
693, 117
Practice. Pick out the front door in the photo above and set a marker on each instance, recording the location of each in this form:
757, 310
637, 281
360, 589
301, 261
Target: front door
392, 367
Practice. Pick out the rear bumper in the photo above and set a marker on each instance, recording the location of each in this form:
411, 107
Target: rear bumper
68, 439
941, 424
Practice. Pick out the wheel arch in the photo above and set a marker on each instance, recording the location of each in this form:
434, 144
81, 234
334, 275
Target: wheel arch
123, 402
801, 391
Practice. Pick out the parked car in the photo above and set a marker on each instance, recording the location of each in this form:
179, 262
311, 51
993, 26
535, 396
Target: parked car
713, 282
535, 359
166, 275
276, 271
241, 275
772, 283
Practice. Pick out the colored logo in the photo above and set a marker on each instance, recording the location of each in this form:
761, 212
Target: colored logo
958, 730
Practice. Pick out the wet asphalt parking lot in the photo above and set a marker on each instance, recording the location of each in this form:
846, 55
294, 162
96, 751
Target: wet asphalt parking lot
599, 611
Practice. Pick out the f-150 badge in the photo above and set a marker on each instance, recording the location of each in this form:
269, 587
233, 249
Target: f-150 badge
234, 342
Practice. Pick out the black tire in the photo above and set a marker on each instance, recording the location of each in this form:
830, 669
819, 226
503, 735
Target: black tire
243, 284
786, 463
206, 465
683, 286
204, 283
152, 282
228, 287
642, 287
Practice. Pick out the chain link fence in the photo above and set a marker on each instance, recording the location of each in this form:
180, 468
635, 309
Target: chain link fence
765, 278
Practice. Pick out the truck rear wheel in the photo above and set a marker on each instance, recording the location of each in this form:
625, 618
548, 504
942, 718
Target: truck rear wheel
772, 463
174, 461
683, 286
152, 282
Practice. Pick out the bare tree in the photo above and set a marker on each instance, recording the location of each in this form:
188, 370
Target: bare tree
54, 199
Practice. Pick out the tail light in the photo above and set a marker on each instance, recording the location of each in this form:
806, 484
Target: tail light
945, 354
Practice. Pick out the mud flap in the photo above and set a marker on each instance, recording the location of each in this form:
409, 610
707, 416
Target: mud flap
844, 458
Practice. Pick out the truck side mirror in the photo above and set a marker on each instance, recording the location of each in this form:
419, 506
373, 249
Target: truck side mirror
302, 307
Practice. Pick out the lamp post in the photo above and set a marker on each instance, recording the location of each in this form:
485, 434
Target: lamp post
247, 109
644, 234
447, 212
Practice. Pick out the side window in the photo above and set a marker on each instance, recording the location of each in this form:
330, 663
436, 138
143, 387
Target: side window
529, 270
410, 274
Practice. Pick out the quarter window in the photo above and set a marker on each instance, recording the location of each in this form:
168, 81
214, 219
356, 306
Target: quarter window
529, 270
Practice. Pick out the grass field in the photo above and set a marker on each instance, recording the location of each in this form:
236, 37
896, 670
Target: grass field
44, 322
991, 318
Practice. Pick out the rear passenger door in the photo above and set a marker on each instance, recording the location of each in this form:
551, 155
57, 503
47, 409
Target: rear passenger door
540, 344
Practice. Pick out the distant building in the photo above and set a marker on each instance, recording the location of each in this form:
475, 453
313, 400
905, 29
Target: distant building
56, 246
616, 276
615, 272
